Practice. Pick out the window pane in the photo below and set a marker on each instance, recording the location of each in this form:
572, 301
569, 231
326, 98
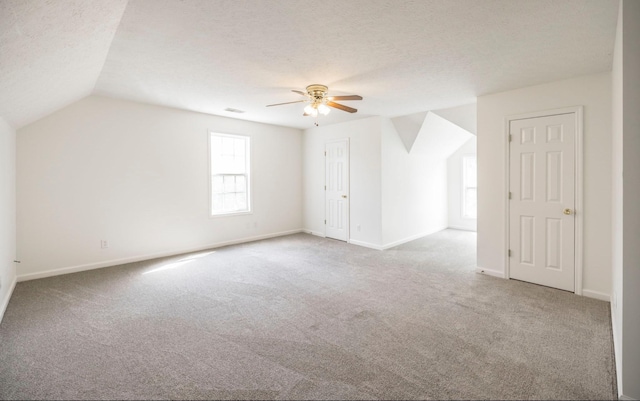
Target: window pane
229, 183
241, 200
469, 184
470, 171
227, 146
230, 173
230, 202
470, 203
241, 184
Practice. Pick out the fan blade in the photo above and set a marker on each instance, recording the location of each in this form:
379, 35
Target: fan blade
349, 97
341, 107
300, 92
280, 104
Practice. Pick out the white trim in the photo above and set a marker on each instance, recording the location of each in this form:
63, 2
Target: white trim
115, 262
7, 298
366, 245
463, 228
577, 111
316, 233
617, 351
490, 272
626, 398
596, 295
411, 238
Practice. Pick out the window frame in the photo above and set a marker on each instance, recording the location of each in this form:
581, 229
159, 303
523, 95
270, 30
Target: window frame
248, 174
464, 186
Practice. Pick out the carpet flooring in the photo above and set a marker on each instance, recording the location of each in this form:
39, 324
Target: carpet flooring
303, 317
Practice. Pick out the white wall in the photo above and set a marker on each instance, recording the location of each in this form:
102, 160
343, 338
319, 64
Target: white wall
594, 93
626, 193
364, 178
7, 213
454, 179
414, 189
137, 176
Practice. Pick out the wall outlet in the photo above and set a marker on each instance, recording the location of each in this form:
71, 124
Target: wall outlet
104, 244
358, 227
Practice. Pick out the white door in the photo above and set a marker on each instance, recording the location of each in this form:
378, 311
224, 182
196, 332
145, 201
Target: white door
337, 189
541, 210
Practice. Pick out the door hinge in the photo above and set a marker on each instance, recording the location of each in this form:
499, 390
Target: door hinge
325, 187
325, 222
325, 152
509, 253
510, 137
509, 195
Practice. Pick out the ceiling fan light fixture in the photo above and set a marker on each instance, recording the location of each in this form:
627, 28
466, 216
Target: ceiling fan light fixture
323, 109
311, 110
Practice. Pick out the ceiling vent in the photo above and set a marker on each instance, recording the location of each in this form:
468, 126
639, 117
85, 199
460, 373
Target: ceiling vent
229, 109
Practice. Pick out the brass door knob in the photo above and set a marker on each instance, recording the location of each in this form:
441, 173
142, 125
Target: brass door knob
567, 211
344, 196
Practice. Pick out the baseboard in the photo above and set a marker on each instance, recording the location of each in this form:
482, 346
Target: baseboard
596, 294
625, 398
115, 262
616, 351
412, 238
366, 244
489, 272
316, 233
463, 228
7, 298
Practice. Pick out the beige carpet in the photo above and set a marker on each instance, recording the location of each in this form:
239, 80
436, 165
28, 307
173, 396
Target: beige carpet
302, 317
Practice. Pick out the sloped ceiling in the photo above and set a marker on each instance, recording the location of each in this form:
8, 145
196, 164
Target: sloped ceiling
402, 56
51, 53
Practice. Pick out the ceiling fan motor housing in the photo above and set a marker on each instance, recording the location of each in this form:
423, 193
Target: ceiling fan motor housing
317, 92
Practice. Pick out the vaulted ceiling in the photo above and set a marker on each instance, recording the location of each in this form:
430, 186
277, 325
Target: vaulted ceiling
402, 56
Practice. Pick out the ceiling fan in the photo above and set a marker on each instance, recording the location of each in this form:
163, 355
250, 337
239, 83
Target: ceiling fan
319, 101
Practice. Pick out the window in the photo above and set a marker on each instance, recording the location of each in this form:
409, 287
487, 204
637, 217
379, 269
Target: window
469, 187
230, 183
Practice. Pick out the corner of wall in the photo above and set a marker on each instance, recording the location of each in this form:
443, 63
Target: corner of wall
7, 213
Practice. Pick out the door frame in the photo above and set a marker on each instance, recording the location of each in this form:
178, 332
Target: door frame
577, 111
348, 222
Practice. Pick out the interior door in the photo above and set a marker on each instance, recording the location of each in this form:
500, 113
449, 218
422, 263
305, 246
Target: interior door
337, 189
542, 200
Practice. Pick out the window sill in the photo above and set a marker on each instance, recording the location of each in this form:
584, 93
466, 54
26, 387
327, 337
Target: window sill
230, 214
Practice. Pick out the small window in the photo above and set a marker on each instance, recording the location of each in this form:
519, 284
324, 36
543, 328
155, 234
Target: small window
230, 183
469, 187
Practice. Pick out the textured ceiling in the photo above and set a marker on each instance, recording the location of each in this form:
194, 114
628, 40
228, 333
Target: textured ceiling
51, 53
402, 56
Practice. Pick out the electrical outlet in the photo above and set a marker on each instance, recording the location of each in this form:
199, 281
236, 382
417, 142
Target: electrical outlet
358, 227
104, 244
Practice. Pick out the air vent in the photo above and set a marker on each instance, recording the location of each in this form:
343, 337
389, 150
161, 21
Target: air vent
229, 109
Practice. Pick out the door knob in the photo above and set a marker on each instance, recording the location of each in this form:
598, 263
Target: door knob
567, 211
344, 196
